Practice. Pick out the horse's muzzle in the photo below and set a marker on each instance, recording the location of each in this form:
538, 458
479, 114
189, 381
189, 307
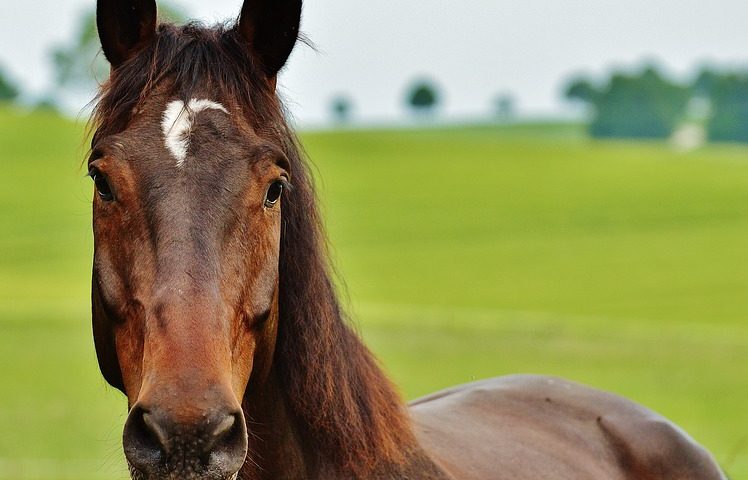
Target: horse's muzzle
210, 446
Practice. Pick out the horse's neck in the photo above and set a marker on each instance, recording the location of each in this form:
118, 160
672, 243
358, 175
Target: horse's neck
279, 451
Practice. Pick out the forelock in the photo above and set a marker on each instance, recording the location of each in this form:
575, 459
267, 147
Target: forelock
181, 62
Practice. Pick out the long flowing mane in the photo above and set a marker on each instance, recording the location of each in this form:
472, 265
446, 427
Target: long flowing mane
340, 400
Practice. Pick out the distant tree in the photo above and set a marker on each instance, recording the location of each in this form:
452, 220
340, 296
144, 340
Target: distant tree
79, 66
341, 109
8, 90
505, 106
643, 105
729, 99
640, 106
582, 90
423, 97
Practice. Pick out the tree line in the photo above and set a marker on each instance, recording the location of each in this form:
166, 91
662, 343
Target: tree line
648, 104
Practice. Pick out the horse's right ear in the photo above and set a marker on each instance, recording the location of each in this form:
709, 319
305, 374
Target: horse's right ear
124, 27
270, 29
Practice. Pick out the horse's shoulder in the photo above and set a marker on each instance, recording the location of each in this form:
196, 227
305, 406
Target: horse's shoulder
644, 444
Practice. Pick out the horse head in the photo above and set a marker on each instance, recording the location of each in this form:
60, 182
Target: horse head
190, 160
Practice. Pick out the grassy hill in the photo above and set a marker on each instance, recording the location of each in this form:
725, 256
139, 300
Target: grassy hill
465, 252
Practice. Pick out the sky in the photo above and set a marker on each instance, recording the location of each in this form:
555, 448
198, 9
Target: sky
474, 50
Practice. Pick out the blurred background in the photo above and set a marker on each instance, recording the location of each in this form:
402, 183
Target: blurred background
536, 186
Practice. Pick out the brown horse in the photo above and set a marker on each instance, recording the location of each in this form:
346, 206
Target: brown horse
215, 314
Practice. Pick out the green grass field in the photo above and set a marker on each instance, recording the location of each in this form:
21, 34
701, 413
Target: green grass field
465, 253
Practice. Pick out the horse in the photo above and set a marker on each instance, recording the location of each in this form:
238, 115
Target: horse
214, 311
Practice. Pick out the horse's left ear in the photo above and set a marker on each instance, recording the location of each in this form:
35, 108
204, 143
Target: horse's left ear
124, 26
270, 28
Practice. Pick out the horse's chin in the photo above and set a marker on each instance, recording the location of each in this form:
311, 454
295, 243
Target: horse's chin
136, 474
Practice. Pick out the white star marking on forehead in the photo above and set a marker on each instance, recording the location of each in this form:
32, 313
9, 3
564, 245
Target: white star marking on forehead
177, 124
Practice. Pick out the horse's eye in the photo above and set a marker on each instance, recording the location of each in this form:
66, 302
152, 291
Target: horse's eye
273, 194
102, 185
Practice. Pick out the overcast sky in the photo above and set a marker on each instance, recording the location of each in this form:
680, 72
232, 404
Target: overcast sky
475, 49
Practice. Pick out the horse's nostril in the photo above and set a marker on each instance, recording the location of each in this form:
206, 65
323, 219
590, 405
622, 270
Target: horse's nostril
228, 448
144, 442
156, 431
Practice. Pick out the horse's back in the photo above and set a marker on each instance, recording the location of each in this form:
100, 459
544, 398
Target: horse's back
533, 427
